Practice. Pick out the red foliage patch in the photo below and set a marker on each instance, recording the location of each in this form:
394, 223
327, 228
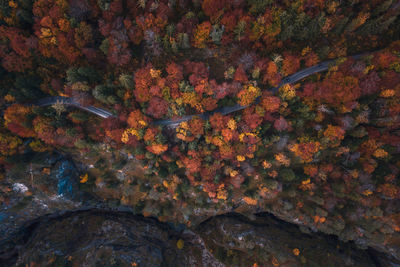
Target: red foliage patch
158, 107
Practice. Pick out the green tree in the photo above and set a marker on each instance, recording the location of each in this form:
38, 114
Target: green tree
27, 88
82, 74
126, 81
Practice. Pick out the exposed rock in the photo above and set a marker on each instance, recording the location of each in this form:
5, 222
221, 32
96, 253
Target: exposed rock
267, 241
103, 238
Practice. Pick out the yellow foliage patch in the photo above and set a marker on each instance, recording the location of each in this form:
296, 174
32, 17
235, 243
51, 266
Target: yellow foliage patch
232, 124
180, 244
240, 158
387, 93
380, 153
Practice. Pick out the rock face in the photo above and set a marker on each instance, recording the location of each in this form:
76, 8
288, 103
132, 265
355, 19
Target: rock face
267, 241
104, 237
47, 183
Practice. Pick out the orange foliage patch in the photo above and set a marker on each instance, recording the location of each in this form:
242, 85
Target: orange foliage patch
157, 148
202, 34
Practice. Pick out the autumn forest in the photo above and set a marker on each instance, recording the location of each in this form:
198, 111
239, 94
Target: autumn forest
321, 152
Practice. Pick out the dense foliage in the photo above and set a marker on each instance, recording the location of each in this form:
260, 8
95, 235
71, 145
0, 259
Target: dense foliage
325, 149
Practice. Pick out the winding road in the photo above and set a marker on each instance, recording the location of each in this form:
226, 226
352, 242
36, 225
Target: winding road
48, 101
323, 66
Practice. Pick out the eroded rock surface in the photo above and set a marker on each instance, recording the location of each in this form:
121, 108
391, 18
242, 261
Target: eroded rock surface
267, 241
105, 237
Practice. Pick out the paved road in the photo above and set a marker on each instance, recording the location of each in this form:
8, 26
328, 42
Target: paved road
323, 66
48, 101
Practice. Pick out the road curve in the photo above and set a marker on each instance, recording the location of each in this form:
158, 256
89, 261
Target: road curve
48, 101
323, 66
